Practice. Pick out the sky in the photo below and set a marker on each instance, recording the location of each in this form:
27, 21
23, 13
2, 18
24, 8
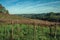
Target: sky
31, 6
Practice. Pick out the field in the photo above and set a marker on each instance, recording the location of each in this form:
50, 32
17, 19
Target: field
20, 28
29, 27
28, 32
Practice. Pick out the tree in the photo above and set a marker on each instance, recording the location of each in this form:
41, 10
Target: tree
3, 9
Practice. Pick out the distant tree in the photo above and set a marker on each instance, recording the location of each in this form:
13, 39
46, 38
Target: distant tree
7, 12
3, 9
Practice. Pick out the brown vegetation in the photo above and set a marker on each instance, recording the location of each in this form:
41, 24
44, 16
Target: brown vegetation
8, 19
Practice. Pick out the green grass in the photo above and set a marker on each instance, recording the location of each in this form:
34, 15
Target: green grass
26, 32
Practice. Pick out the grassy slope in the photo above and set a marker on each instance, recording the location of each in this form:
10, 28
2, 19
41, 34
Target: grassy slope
26, 32
12, 19
53, 17
22, 31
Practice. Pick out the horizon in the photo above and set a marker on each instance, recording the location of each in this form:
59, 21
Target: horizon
31, 6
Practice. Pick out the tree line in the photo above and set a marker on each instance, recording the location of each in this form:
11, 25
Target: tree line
54, 17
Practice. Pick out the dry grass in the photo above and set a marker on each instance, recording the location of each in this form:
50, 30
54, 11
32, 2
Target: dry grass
12, 19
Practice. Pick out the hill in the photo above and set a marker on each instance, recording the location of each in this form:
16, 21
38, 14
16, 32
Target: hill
6, 18
13, 19
52, 17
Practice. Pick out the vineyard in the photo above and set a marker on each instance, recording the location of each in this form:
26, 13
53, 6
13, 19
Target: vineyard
29, 32
20, 28
35, 26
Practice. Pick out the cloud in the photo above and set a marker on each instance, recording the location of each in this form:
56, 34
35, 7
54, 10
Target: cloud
49, 3
39, 5
33, 7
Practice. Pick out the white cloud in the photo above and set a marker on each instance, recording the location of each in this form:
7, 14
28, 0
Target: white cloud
27, 7
49, 3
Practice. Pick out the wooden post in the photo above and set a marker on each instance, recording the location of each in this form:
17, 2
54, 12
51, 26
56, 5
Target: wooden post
55, 32
34, 31
38, 31
28, 29
18, 30
11, 32
5, 31
50, 27
42, 32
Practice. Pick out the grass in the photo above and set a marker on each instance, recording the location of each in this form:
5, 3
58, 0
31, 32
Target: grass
26, 32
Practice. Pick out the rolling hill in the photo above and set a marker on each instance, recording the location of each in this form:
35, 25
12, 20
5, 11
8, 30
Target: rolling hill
13, 19
52, 17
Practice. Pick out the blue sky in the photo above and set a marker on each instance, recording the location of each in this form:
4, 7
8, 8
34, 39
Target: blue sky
31, 6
